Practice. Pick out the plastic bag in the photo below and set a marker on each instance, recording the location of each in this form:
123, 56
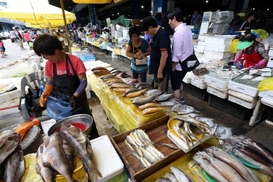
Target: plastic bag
233, 45
57, 108
266, 84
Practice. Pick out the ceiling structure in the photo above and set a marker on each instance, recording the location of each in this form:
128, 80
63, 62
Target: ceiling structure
113, 10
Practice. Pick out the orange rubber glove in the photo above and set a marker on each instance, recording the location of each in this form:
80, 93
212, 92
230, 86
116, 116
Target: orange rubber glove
47, 91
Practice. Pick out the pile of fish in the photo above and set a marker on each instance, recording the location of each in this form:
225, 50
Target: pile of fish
12, 162
233, 161
141, 146
56, 155
176, 175
187, 132
100, 71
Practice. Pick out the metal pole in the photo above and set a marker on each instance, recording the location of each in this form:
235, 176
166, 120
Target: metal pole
66, 29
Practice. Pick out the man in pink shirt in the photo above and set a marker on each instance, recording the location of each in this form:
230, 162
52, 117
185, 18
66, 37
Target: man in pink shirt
182, 48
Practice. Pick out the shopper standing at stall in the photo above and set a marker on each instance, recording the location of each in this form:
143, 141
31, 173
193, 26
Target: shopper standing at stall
66, 75
246, 25
160, 57
251, 53
196, 19
138, 49
182, 48
19, 38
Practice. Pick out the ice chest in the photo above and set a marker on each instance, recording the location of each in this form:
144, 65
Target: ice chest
157, 132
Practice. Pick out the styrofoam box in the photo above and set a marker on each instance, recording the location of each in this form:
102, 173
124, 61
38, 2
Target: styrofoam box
242, 96
249, 105
217, 88
267, 102
108, 161
270, 62
218, 55
198, 80
221, 84
243, 88
270, 53
5, 97
268, 94
199, 85
218, 93
220, 39
217, 48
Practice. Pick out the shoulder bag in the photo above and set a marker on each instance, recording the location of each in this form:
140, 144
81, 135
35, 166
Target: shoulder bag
140, 62
190, 63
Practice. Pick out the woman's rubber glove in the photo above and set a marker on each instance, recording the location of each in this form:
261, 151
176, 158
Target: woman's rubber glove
47, 91
237, 58
73, 102
260, 64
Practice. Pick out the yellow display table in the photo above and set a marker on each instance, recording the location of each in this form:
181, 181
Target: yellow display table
120, 111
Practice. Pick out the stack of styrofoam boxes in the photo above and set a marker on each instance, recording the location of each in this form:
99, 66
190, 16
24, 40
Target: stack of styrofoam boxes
243, 95
197, 81
217, 86
216, 47
221, 24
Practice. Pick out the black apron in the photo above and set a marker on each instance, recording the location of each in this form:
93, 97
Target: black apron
66, 85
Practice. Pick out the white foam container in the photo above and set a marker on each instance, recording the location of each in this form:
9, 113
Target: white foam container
267, 102
249, 105
216, 92
221, 84
198, 84
242, 96
243, 88
108, 161
268, 94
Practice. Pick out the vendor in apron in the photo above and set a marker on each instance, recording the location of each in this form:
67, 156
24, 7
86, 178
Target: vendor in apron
252, 53
66, 76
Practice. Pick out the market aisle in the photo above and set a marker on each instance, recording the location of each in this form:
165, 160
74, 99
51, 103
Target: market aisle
13, 51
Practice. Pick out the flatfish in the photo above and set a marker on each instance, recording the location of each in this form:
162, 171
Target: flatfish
182, 108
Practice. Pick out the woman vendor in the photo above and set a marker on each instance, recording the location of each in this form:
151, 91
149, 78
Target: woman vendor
252, 53
66, 76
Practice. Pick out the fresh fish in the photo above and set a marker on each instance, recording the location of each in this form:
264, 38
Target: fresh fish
260, 147
107, 76
163, 97
46, 173
69, 155
152, 149
171, 177
114, 69
119, 85
32, 134
182, 109
148, 105
144, 162
227, 171
195, 114
180, 176
114, 82
119, 90
131, 90
9, 145
128, 146
171, 102
238, 166
142, 85
262, 168
15, 166
143, 100
196, 170
109, 81
131, 141
162, 179
144, 135
54, 155
223, 132
147, 155
170, 145
208, 121
99, 68
207, 166
186, 127
152, 110
81, 146
136, 139
153, 92
138, 151
136, 94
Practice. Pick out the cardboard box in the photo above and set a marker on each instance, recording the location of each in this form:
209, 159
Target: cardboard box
157, 132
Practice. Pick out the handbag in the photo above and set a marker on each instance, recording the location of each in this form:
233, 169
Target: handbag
140, 62
190, 63
57, 108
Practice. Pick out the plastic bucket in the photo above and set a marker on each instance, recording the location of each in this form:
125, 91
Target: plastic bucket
82, 121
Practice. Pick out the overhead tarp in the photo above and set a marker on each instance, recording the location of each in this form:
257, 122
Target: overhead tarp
122, 20
38, 12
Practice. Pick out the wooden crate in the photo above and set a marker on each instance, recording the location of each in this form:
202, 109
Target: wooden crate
157, 131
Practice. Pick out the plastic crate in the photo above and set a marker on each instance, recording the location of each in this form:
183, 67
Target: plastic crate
230, 108
202, 94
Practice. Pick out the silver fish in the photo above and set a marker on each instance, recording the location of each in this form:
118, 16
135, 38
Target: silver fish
180, 176
143, 100
147, 155
54, 156
9, 144
131, 90
171, 177
163, 97
144, 162
182, 109
82, 147
15, 166
170, 145
46, 173
238, 166
153, 92
162, 179
208, 121
69, 155
223, 132
152, 148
